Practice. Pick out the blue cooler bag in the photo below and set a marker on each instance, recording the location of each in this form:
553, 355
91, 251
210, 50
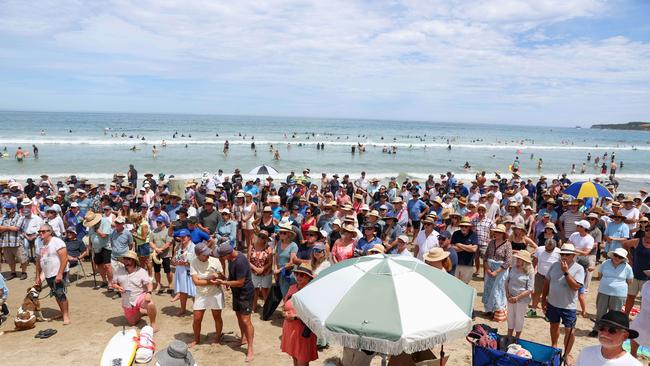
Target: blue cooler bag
542, 356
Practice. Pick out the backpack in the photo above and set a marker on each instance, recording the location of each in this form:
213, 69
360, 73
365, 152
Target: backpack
483, 335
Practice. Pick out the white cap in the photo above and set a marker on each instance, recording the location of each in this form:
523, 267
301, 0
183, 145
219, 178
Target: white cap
584, 223
74, 204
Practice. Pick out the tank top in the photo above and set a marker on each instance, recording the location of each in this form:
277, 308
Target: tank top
247, 210
270, 228
641, 261
518, 246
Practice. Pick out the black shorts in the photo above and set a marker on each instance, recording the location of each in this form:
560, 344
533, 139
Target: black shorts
416, 226
166, 265
103, 257
243, 305
58, 289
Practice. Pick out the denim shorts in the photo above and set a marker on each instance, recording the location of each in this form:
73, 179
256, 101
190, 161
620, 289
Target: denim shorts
568, 316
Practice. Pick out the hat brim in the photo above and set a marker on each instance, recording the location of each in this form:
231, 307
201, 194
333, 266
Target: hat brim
92, 222
633, 333
439, 258
527, 260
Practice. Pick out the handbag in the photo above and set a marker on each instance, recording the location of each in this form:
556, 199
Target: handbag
272, 301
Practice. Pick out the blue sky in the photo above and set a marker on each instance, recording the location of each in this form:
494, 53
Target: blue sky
558, 62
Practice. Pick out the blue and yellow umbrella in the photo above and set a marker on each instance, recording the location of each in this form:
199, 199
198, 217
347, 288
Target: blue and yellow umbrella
587, 190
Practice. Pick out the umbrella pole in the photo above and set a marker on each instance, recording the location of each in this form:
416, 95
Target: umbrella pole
383, 360
442, 355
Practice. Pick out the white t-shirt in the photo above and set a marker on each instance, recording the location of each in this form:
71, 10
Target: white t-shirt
631, 214
425, 243
591, 356
546, 259
582, 242
210, 268
49, 258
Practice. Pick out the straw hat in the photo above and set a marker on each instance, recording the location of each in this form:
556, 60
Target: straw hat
551, 226
286, 228
154, 257
628, 199
91, 219
436, 254
524, 255
130, 254
305, 269
373, 213
350, 229
520, 226
465, 222
314, 230
377, 249
617, 214
499, 229
262, 234
568, 248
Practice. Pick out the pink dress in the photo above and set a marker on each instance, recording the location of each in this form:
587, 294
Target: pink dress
342, 253
293, 343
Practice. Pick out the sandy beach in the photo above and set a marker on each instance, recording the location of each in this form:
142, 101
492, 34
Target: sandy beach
96, 318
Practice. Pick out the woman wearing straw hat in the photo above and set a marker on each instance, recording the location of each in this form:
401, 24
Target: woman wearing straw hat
615, 276
297, 340
519, 287
498, 258
344, 247
260, 258
519, 240
285, 257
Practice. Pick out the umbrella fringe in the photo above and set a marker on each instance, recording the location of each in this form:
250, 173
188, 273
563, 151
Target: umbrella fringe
379, 345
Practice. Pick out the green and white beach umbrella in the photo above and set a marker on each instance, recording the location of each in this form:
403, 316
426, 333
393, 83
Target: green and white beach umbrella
386, 303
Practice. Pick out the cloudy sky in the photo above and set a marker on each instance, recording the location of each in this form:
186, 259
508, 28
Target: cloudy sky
559, 62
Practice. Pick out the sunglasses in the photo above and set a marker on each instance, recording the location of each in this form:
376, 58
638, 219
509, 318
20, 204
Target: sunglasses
282, 233
565, 254
318, 250
427, 224
610, 330
618, 256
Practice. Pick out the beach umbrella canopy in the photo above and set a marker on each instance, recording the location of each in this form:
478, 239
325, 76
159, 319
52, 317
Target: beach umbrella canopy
587, 190
386, 303
263, 170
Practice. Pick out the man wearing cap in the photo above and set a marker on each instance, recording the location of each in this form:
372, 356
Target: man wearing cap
156, 212
209, 217
52, 263
161, 245
560, 295
583, 243
11, 241
121, 240
613, 331
241, 285
83, 202
134, 284
426, 239
196, 233
402, 246
444, 241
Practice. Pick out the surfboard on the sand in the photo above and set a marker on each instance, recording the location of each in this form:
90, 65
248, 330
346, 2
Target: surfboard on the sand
120, 350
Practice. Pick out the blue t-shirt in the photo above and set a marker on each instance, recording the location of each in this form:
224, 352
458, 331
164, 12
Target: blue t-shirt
198, 235
453, 256
615, 230
364, 245
613, 281
120, 242
415, 208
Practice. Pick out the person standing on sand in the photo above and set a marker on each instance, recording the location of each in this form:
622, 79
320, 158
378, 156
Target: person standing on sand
241, 284
206, 271
613, 331
134, 284
52, 262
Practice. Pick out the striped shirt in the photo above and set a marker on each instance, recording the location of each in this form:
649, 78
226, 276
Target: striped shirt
482, 229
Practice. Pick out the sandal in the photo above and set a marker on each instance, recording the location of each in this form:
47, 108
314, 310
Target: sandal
44, 334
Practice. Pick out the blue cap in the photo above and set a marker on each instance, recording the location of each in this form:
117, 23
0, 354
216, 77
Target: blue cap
160, 218
9, 205
444, 235
181, 233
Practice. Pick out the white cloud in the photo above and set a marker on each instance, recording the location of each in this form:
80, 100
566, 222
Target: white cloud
312, 54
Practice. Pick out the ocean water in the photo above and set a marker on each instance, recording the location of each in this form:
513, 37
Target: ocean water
96, 145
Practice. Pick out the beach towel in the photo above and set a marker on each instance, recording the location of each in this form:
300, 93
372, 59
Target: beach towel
146, 345
494, 291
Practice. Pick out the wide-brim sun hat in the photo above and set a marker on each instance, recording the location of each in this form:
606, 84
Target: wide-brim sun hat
91, 219
304, 269
568, 248
350, 229
176, 354
130, 254
286, 228
524, 255
499, 229
436, 254
618, 252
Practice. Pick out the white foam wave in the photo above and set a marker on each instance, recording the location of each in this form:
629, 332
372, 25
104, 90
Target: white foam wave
220, 142
383, 176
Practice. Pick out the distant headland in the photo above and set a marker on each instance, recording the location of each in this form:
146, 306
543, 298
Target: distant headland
636, 126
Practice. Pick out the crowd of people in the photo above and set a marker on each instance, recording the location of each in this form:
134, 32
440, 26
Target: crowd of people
533, 247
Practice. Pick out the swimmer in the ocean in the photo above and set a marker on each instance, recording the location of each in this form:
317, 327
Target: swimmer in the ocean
20, 154
35, 149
